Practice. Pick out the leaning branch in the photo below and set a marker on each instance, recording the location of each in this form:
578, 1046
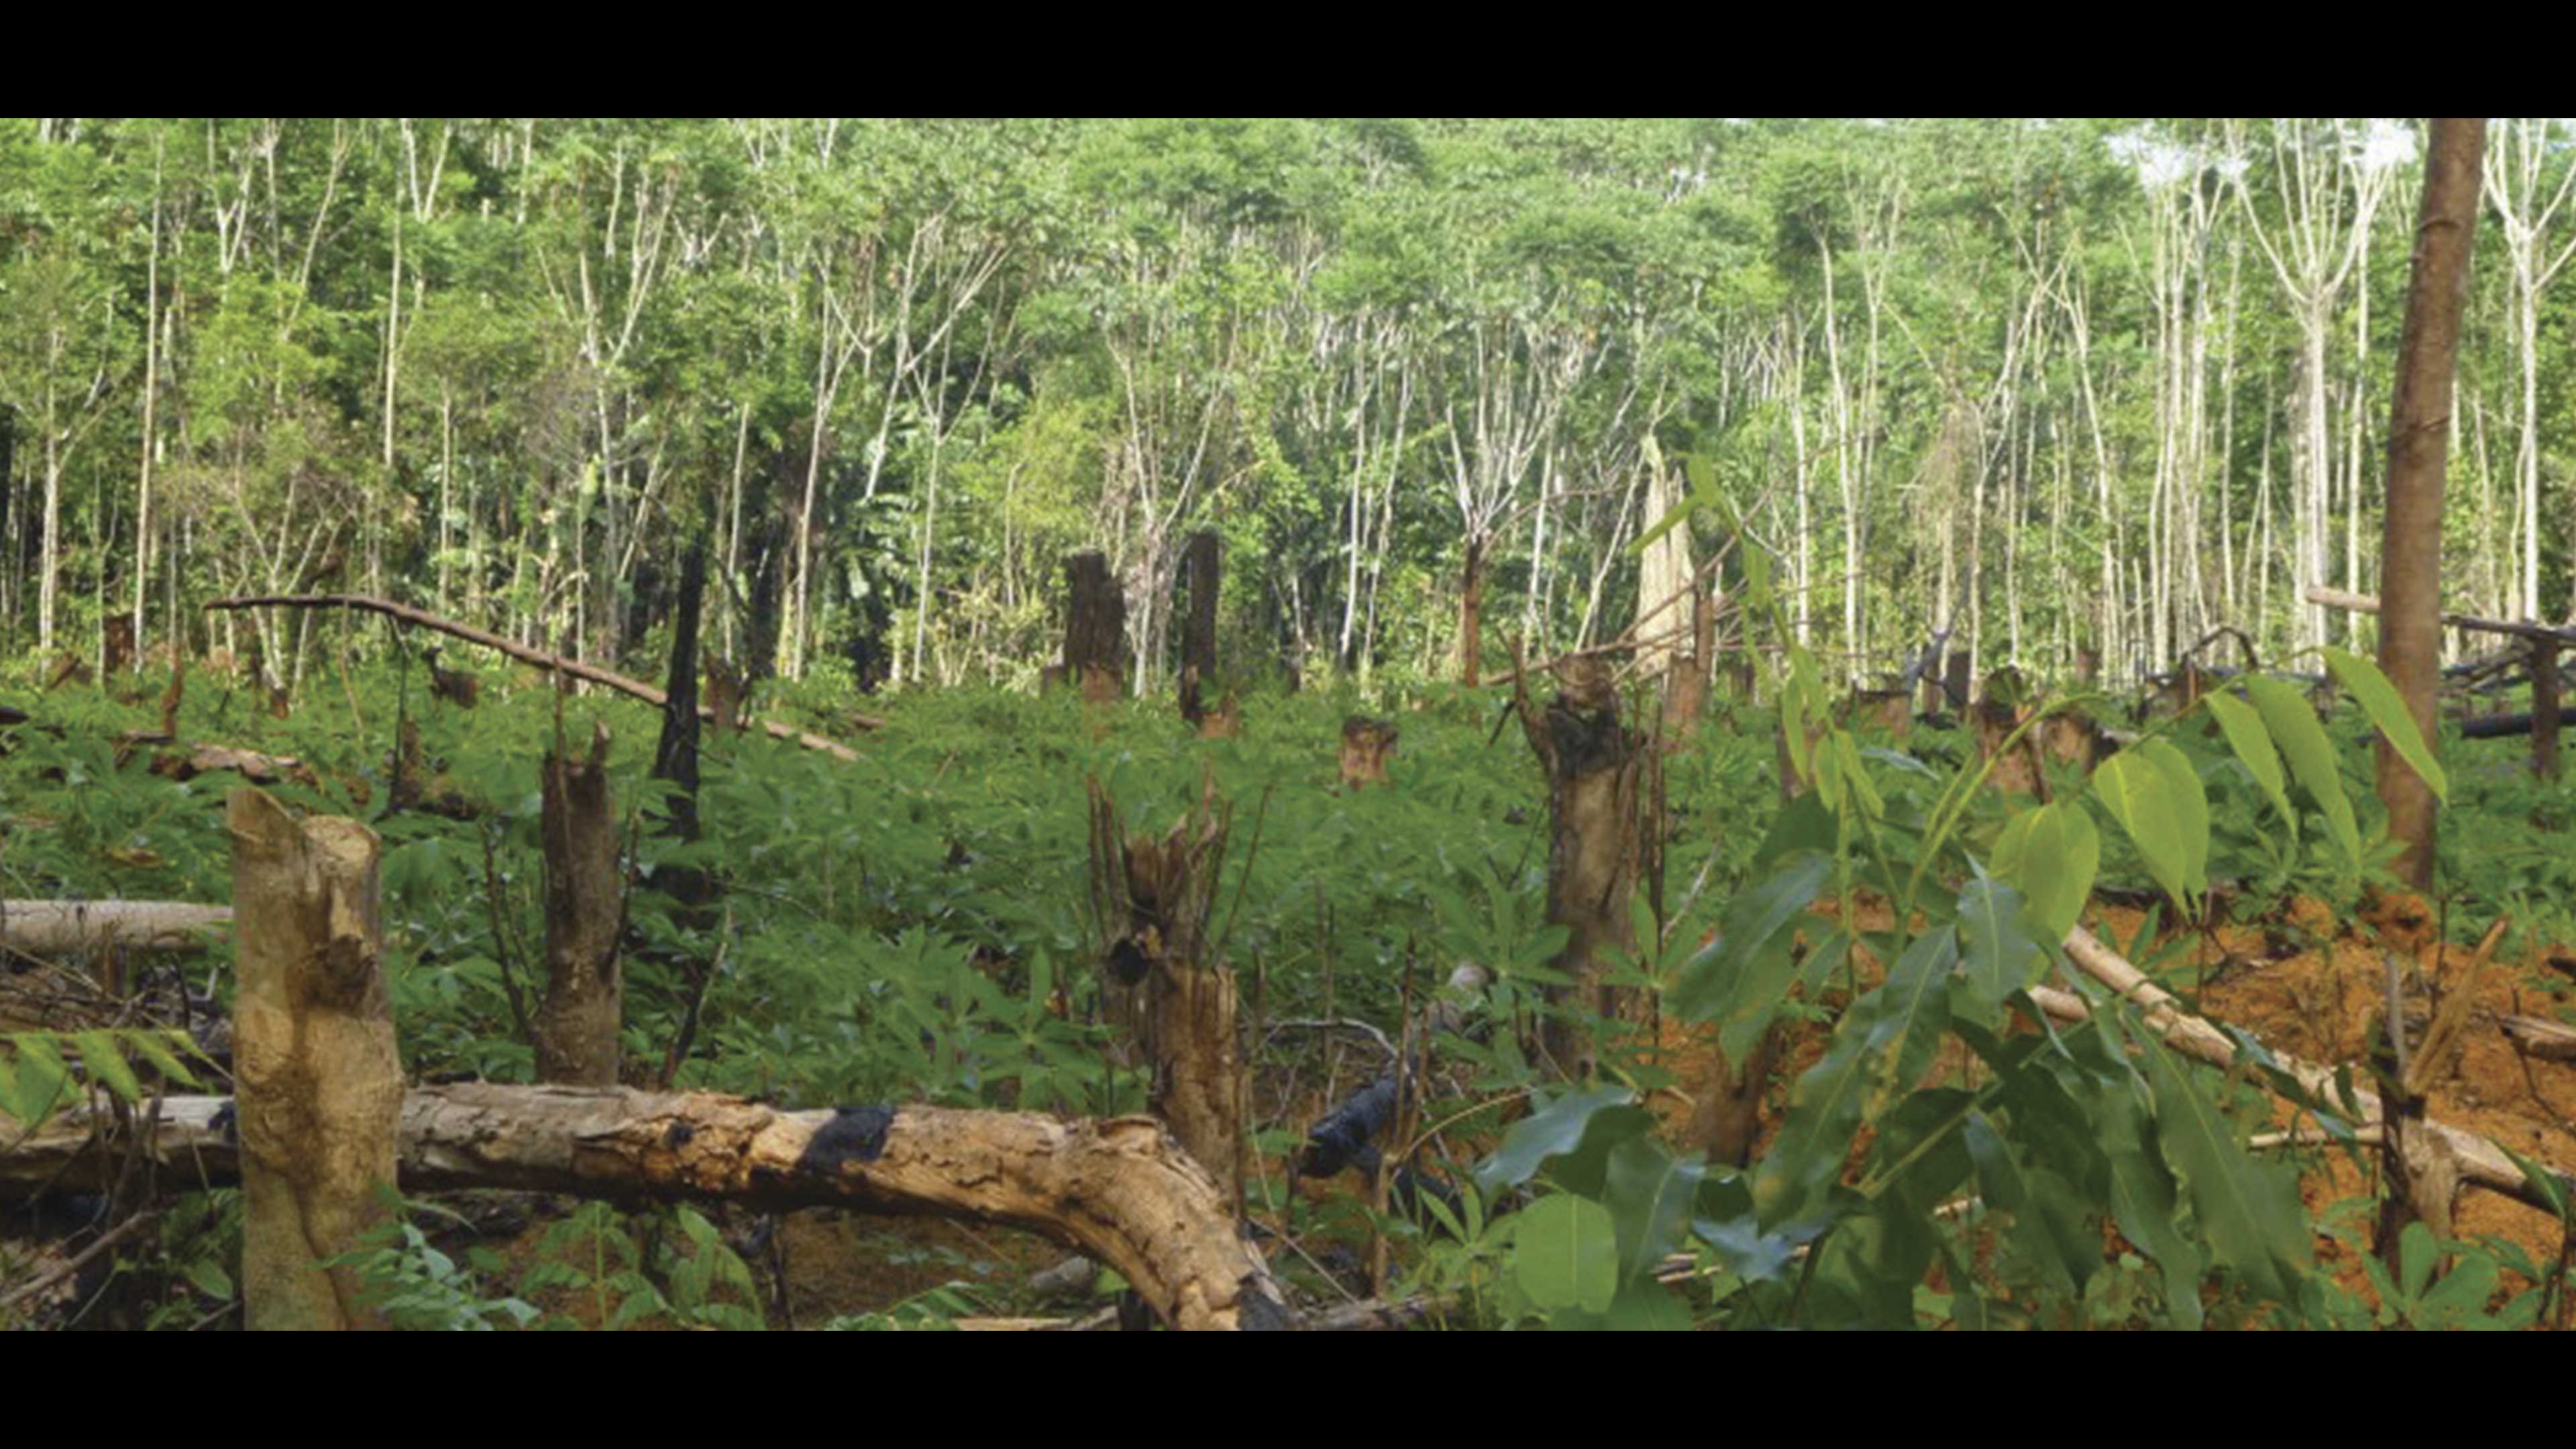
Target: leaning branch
606, 678
2481, 1161
1117, 1189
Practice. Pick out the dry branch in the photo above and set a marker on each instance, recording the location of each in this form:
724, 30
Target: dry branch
2480, 1160
605, 678
51, 928
1118, 1189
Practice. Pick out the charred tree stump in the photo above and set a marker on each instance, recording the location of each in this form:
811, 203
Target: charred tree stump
2544, 708
1890, 710
2002, 710
1177, 1000
1202, 564
320, 1085
576, 1025
116, 651
1367, 744
1095, 628
1595, 769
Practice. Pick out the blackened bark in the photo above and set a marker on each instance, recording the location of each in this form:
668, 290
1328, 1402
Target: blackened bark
1202, 565
1095, 628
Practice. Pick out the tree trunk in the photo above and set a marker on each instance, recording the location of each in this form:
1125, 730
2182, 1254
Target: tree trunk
2410, 634
320, 1084
1095, 627
1201, 566
1114, 1189
1686, 683
576, 1025
1471, 615
1594, 768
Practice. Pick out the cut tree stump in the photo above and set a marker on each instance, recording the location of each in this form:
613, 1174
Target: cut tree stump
1178, 1001
1596, 770
1367, 744
576, 1025
1119, 1190
320, 1085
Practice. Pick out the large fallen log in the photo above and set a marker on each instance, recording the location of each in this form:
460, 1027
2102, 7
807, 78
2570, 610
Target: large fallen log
50, 928
606, 678
2481, 1162
1117, 1189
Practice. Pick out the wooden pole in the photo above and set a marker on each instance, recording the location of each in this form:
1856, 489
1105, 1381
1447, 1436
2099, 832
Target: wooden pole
2410, 635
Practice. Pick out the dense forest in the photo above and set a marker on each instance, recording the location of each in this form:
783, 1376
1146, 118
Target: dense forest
1366, 724
2081, 387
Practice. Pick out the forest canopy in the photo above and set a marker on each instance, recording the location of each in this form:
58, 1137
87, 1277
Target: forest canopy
2075, 386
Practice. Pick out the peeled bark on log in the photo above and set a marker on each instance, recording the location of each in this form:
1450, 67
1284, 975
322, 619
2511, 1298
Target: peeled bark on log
1095, 628
1202, 563
1891, 710
559, 664
1118, 1189
1367, 744
576, 1025
1595, 767
50, 928
1178, 1001
320, 1084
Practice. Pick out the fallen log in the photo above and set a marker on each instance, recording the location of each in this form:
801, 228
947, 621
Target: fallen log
607, 678
2481, 1161
47, 928
2550, 1041
1118, 1189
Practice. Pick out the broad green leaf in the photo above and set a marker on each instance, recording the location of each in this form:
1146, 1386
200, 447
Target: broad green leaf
2389, 715
2167, 821
2191, 810
2253, 747
2303, 743
1649, 1192
1549, 1132
99, 1053
1646, 1306
1565, 1254
1997, 957
2246, 1211
1714, 981
2051, 856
